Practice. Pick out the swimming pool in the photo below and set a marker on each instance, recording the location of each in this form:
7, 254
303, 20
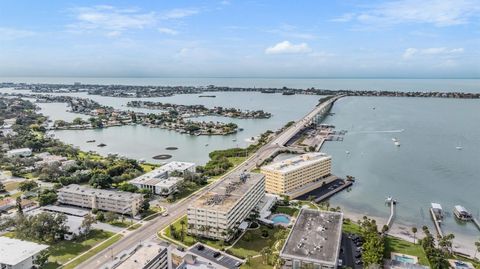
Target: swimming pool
280, 219
404, 259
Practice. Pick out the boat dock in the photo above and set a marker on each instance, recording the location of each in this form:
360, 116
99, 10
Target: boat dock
437, 222
392, 204
436, 211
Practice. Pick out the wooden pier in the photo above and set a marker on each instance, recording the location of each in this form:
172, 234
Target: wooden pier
392, 213
437, 223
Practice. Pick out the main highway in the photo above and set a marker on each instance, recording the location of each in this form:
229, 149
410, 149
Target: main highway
179, 209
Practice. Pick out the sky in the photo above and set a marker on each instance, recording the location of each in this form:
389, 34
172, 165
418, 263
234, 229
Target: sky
233, 38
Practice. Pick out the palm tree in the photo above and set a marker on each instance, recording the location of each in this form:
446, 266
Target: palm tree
414, 231
265, 252
477, 248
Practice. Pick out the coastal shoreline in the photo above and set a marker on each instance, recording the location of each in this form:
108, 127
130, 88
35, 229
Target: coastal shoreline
401, 230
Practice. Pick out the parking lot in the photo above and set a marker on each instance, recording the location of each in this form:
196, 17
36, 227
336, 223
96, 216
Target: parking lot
351, 251
322, 192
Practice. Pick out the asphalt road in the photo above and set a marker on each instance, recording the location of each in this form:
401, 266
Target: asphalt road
180, 208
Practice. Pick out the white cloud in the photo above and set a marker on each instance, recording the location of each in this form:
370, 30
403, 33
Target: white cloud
411, 52
437, 12
167, 31
12, 33
344, 18
110, 19
285, 47
290, 31
179, 13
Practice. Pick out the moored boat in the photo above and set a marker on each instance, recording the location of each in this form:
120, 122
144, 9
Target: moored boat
461, 213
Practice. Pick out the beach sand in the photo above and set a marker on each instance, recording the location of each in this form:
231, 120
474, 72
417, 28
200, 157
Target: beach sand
462, 244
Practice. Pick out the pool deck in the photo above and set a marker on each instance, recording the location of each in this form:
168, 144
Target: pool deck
393, 255
281, 223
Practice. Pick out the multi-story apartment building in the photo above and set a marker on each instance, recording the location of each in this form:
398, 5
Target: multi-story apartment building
220, 211
298, 175
314, 241
115, 201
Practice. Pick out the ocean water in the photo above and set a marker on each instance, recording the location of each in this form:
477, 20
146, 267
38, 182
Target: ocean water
426, 168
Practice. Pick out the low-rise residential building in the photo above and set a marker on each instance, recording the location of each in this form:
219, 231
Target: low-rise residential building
160, 181
108, 200
49, 159
314, 241
219, 212
298, 175
22, 152
18, 254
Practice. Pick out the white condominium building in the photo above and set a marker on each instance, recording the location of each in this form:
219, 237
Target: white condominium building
18, 254
220, 211
298, 175
115, 201
160, 181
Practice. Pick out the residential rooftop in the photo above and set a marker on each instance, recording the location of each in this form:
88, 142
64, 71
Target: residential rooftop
296, 162
109, 194
157, 175
141, 256
14, 251
315, 237
225, 195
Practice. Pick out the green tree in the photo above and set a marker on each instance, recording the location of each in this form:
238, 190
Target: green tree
77, 121
477, 248
100, 216
144, 206
27, 185
19, 205
44, 227
87, 223
100, 181
41, 258
110, 216
414, 231
47, 197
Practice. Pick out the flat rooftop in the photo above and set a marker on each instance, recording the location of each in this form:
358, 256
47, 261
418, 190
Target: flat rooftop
157, 175
315, 237
225, 195
296, 162
116, 195
142, 256
223, 259
14, 251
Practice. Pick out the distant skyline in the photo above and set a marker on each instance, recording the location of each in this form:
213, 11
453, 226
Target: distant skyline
305, 39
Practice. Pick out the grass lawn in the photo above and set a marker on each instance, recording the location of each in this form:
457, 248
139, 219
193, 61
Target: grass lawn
92, 252
393, 244
189, 240
256, 263
252, 242
147, 167
64, 251
286, 210
150, 214
351, 227
12, 185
